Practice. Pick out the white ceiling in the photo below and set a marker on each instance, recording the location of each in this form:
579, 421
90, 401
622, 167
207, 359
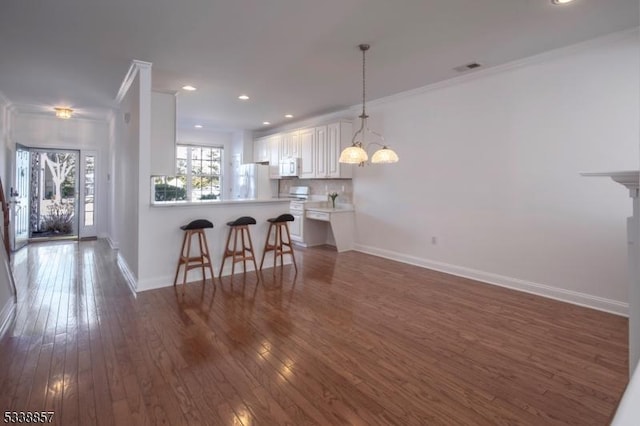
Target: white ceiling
291, 56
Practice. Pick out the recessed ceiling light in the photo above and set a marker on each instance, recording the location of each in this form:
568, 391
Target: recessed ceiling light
243, 97
561, 1
288, 116
266, 123
188, 88
198, 126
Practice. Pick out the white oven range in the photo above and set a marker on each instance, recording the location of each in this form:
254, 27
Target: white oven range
299, 196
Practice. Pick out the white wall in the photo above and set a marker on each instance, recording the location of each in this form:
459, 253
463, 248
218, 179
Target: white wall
489, 166
47, 131
125, 178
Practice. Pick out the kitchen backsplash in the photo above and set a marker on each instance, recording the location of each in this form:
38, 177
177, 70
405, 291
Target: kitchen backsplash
344, 187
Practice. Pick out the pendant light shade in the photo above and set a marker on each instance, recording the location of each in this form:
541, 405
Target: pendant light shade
353, 155
357, 152
384, 156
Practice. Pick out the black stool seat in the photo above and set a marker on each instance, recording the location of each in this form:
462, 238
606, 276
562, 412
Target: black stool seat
244, 220
202, 260
282, 218
197, 224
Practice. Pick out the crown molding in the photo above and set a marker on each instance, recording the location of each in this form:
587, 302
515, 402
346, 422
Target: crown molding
4, 100
519, 63
135, 67
344, 114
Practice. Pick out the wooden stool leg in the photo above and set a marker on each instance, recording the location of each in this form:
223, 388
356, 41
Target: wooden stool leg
200, 233
275, 247
225, 253
281, 247
293, 257
266, 245
235, 249
208, 256
243, 231
253, 257
184, 240
186, 266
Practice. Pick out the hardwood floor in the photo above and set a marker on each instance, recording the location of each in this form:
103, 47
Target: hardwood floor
352, 339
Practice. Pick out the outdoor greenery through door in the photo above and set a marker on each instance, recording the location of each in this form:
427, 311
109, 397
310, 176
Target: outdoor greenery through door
53, 193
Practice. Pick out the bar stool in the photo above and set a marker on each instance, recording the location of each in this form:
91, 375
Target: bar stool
240, 254
203, 260
279, 246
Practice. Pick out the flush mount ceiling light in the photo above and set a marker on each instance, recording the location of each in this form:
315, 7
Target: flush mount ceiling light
288, 116
64, 113
188, 88
266, 123
357, 152
561, 1
243, 97
198, 126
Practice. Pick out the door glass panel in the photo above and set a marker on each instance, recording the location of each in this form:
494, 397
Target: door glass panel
89, 190
20, 198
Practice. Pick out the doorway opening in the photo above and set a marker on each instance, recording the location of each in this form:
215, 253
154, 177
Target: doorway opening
53, 194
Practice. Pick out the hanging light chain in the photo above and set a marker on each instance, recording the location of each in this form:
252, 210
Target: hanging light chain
364, 48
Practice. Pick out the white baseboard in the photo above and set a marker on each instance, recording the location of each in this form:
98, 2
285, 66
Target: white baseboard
113, 244
570, 296
6, 314
129, 277
195, 276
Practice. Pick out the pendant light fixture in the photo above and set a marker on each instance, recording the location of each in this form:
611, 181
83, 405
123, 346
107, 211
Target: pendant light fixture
64, 113
356, 153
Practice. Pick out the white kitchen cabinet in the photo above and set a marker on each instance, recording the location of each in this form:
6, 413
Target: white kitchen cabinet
330, 141
163, 133
295, 227
307, 153
273, 144
320, 140
290, 144
261, 150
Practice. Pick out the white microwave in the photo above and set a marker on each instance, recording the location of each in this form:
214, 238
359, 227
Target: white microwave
289, 166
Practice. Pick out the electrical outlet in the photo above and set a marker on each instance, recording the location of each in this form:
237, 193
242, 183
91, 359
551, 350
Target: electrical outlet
434, 240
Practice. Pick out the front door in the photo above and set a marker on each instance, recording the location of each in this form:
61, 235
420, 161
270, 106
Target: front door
19, 198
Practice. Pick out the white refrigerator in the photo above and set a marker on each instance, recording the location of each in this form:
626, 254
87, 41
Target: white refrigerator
251, 181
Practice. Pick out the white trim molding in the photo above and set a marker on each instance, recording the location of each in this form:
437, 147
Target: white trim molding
128, 79
6, 315
569, 296
129, 277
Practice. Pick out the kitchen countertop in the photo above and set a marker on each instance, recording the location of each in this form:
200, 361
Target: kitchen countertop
325, 206
219, 202
338, 209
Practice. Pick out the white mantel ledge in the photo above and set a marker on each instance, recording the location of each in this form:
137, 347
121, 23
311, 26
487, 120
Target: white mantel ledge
628, 178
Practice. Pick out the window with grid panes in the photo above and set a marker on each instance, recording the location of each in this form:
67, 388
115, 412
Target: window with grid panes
198, 172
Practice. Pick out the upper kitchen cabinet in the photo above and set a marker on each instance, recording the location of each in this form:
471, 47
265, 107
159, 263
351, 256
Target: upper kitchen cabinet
307, 153
163, 133
261, 153
290, 144
330, 141
273, 144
